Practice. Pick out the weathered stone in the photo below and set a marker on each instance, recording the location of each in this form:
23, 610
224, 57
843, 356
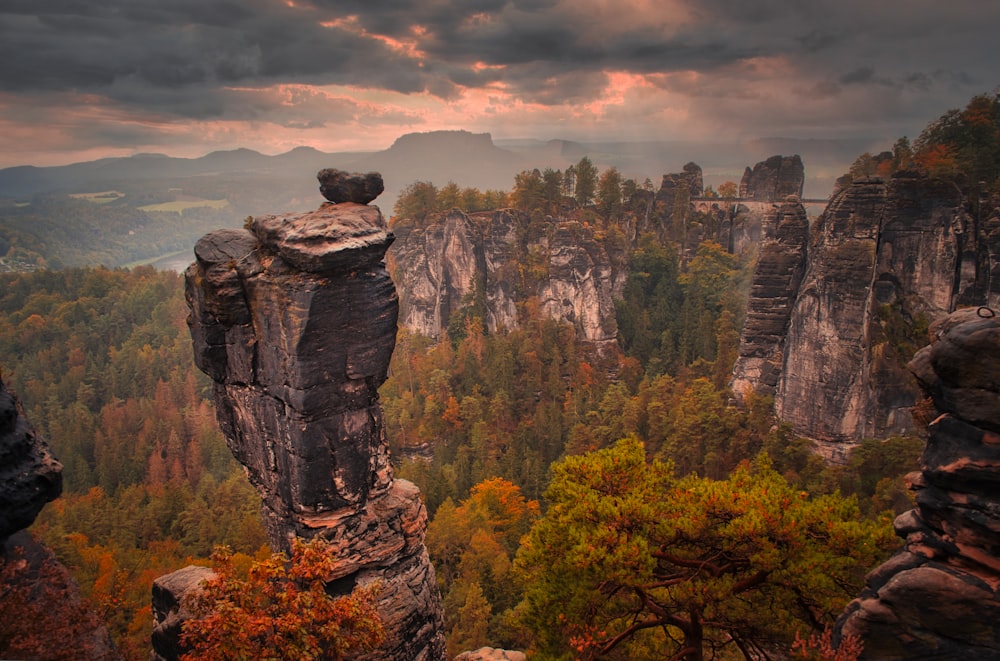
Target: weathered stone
883, 251
30, 476
295, 321
937, 597
776, 278
442, 264
339, 186
774, 179
170, 600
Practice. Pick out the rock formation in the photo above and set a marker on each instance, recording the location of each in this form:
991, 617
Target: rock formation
774, 179
937, 597
780, 266
886, 258
295, 321
339, 186
29, 475
446, 262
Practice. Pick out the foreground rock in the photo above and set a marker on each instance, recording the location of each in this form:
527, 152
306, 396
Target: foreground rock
295, 321
937, 597
29, 475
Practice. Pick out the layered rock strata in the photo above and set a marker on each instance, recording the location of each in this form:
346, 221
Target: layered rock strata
937, 597
774, 179
498, 256
886, 258
780, 266
294, 319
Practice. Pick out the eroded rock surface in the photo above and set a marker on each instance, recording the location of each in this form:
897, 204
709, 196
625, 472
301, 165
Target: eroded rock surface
937, 597
295, 321
774, 179
886, 258
30, 475
443, 263
780, 266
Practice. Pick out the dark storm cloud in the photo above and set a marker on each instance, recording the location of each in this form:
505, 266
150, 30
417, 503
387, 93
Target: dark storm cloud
729, 61
118, 47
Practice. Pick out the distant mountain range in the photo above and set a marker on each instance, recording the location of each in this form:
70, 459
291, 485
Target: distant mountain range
466, 158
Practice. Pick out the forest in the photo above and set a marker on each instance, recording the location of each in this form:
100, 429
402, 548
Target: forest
568, 503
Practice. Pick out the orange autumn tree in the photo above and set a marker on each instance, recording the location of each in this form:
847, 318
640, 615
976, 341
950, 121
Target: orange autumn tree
631, 562
280, 610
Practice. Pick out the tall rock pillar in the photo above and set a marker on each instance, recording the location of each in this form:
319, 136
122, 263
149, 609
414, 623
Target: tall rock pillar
937, 597
294, 319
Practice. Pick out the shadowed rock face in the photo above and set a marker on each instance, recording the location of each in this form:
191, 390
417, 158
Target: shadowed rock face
937, 597
441, 265
295, 321
780, 267
774, 179
885, 254
29, 475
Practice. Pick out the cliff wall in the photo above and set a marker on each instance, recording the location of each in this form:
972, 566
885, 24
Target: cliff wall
501, 259
885, 259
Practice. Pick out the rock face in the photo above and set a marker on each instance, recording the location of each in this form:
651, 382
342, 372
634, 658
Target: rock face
774, 179
29, 475
886, 258
449, 261
781, 264
295, 321
937, 597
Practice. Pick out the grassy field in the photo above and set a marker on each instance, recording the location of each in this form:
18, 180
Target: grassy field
102, 197
177, 206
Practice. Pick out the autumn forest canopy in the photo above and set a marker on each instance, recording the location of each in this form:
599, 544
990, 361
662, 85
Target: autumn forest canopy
579, 507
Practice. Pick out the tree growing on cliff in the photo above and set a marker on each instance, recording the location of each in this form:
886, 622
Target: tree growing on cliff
586, 181
632, 562
280, 610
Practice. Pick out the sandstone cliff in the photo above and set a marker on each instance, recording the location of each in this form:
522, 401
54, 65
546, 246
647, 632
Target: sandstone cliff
781, 264
773, 179
502, 259
886, 258
295, 321
937, 597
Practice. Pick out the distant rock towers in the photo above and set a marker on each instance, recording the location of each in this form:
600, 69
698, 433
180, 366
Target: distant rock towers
294, 319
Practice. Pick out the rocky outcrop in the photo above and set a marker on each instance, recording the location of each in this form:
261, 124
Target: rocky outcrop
295, 321
780, 266
171, 595
500, 259
30, 476
774, 179
34, 583
689, 182
886, 258
937, 597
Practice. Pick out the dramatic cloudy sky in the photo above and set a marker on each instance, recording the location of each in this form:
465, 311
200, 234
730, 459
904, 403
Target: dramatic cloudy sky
86, 78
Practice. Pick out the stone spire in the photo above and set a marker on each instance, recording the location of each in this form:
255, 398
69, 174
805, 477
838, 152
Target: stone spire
294, 319
937, 597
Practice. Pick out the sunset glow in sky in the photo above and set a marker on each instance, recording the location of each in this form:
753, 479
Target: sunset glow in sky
83, 80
